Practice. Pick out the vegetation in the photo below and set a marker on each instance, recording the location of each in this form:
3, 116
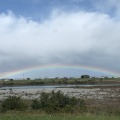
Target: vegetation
58, 117
85, 76
57, 102
85, 79
48, 102
56, 105
13, 103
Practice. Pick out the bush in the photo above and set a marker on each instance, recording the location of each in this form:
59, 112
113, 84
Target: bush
51, 102
13, 103
35, 104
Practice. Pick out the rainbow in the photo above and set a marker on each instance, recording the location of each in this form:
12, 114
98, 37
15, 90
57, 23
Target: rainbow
59, 66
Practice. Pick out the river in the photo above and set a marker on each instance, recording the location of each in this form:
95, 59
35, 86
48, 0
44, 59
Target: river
57, 86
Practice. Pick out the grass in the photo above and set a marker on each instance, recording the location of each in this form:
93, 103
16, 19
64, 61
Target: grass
55, 81
105, 109
58, 117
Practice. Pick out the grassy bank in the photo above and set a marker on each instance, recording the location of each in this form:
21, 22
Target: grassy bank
58, 81
58, 103
58, 117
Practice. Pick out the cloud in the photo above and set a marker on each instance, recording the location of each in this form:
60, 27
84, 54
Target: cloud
87, 38
108, 6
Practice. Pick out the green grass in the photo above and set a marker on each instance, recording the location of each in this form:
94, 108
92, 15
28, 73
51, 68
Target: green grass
58, 117
53, 81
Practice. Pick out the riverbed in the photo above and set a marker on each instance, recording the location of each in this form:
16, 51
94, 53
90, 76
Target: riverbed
87, 92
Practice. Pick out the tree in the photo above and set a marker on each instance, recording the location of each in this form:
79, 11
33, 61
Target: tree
85, 76
28, 78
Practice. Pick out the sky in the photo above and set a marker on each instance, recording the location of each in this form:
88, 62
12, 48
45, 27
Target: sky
59, 32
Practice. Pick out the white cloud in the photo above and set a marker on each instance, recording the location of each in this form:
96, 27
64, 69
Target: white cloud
109, 6
80, 37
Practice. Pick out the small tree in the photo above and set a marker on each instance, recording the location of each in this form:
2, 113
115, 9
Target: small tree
28, 78
85, 76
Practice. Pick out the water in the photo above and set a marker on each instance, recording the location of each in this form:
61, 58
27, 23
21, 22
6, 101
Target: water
56, 86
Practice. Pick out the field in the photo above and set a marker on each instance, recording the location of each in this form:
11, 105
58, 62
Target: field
95, 102
59, 117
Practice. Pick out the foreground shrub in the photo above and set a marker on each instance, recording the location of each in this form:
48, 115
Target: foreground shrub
13, 103
51, 102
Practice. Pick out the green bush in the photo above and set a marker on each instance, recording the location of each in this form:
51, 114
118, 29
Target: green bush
51, 102
35, 104
13, 103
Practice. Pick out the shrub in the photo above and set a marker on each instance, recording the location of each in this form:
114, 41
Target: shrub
51, 102
13, 103
35, 104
